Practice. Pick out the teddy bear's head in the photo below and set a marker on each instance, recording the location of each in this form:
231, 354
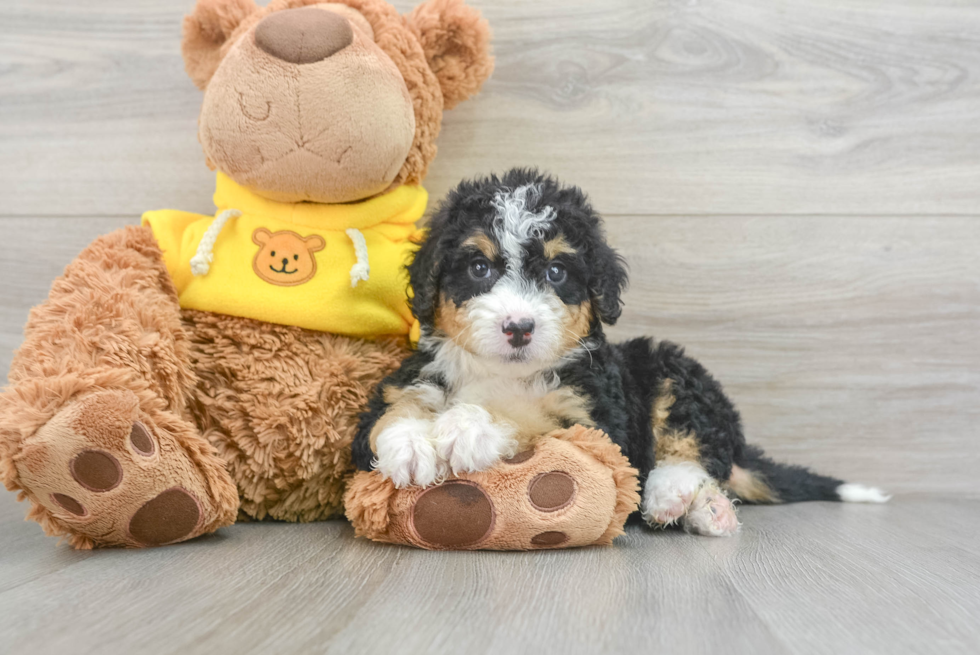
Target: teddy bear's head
329, 102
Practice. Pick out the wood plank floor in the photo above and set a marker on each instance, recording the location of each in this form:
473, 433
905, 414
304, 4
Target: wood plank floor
811, 578
795, 186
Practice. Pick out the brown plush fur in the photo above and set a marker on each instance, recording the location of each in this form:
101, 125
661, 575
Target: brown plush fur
280, 405
606, 493
207, 30
456, 42
225, 401
111, 322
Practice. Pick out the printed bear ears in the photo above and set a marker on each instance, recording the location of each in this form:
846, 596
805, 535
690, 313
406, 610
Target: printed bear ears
454, 38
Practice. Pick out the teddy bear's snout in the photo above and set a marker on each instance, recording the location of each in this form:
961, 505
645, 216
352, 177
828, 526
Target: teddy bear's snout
303, 36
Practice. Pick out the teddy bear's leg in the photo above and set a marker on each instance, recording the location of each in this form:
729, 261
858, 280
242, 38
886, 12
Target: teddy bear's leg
575, 488
281, 405
93, 428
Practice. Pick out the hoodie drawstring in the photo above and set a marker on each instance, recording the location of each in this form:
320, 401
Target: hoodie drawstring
201, 262
362, 269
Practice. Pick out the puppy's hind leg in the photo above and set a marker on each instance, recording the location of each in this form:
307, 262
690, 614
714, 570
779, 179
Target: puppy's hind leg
711, 513
679, 489
682, 492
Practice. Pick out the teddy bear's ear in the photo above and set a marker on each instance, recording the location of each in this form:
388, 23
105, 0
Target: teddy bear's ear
205, 30
456, 41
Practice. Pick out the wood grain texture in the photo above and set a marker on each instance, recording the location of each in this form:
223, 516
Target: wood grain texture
813, 578
848, 343
794, 183
656, 106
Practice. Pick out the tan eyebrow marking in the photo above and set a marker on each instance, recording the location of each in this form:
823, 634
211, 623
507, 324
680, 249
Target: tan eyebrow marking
483, 243
558, 246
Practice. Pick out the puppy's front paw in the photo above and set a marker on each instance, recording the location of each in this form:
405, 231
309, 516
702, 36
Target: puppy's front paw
406, 454
469, 441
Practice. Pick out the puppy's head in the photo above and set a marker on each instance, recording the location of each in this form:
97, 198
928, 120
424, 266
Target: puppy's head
516, 271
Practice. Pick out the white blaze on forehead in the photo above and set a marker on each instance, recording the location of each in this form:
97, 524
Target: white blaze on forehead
515, 224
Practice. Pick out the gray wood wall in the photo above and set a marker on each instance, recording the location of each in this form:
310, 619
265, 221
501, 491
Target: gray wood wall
796, 185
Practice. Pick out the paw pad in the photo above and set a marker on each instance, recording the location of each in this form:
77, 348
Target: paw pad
459, 513
96, 470
549, 492
172, 515
69, 504
520, 458
453, 514
141, 440
551, 538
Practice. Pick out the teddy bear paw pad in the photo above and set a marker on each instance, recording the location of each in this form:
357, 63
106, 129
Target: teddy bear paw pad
454, 514
171, 516
551, 538
549, 492
96, 470
105, 474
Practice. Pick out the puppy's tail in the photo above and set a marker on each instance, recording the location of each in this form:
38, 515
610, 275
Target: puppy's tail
757, 479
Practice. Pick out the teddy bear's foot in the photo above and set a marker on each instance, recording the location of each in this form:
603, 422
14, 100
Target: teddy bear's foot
105, 474
574, 489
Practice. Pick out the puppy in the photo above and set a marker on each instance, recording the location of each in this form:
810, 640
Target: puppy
512, 287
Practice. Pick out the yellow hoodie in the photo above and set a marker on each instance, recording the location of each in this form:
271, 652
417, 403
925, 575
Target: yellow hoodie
331, 268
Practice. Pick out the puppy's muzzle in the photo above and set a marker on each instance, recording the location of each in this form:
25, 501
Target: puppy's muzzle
518, 332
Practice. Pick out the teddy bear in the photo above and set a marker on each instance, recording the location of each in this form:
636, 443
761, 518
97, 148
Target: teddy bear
196, 370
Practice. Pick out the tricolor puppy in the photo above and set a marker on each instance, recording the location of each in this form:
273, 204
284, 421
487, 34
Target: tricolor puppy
512, 287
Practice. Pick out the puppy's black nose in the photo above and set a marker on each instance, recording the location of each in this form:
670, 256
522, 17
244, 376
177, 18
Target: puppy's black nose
519, 332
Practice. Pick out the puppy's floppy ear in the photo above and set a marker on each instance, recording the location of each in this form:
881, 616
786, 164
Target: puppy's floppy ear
609, 279
205, 30
456, 42
423, 273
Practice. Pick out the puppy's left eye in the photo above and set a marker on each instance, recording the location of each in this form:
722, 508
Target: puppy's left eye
480, 269
556, 273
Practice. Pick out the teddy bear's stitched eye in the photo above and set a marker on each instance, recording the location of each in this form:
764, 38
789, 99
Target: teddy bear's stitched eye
295, 257
273, 253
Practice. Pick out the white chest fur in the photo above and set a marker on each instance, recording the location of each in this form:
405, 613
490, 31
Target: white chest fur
532, 408
532, 403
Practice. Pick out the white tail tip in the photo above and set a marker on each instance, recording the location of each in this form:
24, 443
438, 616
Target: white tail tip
858, 493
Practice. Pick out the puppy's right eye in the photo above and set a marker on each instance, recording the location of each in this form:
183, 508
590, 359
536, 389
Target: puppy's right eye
480, 269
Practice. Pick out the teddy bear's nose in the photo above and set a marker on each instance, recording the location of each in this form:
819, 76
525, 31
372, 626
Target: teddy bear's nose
303, 36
